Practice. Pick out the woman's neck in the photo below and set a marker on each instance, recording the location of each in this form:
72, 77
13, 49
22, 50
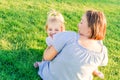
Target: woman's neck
82, 38
89, 44
86, 41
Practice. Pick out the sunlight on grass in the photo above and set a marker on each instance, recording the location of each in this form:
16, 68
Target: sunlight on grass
22, 33
5, 45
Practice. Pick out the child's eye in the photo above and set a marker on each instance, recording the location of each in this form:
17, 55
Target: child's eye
56, 30
50, 29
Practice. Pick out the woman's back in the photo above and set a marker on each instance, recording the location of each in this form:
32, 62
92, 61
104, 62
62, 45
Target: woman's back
73, 62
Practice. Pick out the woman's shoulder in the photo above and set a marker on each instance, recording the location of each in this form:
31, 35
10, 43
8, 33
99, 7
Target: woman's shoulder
66, 34
104, 49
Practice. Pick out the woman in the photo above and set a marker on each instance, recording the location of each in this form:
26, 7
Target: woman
75, 56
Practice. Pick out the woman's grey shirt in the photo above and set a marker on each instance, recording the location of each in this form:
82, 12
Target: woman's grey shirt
73, 62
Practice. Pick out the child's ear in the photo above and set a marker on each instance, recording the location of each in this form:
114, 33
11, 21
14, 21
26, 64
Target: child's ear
62, 29
46, 27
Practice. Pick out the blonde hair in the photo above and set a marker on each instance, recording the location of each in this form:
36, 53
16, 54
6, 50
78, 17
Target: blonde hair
54, 16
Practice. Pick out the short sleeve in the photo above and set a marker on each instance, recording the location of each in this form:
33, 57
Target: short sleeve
100, 42
49, 41
61, 39
105, 57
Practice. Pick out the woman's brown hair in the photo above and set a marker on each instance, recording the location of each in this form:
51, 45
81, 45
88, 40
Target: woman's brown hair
97, 23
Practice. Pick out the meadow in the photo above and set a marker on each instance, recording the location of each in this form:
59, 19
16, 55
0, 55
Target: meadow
22, 34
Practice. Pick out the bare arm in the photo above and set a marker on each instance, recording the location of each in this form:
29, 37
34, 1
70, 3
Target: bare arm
49, 53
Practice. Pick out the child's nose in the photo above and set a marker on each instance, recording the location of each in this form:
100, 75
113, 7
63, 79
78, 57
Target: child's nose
54, 32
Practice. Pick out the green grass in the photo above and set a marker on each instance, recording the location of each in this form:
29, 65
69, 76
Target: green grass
22, 34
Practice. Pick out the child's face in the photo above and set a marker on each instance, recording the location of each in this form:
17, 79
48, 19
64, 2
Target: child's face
53, 28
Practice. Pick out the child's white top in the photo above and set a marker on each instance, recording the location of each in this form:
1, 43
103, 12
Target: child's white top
73, 61
49, 41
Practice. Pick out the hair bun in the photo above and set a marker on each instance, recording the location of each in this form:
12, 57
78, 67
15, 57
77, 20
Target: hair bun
54, 15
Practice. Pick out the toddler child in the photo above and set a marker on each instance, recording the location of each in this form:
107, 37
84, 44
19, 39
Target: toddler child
54, 24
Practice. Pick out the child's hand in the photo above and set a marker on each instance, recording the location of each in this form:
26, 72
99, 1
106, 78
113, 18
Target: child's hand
36, 64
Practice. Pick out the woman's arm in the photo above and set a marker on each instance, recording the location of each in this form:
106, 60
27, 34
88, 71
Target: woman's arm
49, 53
59, 41
98, 73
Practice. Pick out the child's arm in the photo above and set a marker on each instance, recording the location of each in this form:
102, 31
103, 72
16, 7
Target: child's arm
49, 53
